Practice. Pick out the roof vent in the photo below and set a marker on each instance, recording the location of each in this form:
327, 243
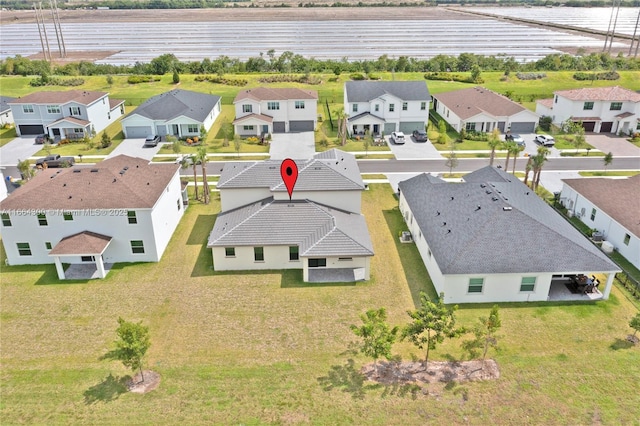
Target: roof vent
482, 185
488, 191
94, 170
272, 167
64, 184
76, 170
126, 168
70, 196
478, 208
114, 179
507, 208
495, 198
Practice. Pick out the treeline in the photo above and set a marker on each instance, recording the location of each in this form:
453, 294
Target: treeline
289, 62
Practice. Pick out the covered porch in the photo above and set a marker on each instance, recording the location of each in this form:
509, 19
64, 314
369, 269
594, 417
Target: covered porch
253, 125
69, 128
336, 275
84, 252
581, 287
364, 123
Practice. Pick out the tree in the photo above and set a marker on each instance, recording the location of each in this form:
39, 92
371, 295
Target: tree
537, 161
227, 131
511, 147
203, 133
452, 161
494, 142
514, 149
176, 77
342, 125
201, 157
236, 144
607, 159
176, 146
195, 175
430, 324
635, 324
367, 141
377, 336
527, 170
476, 75
485, 334
105, 140
109, 80
579, 140
132, 344
25, 169
443, 137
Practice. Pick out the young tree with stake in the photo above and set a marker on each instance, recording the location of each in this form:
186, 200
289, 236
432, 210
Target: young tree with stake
485, 334
377, 336
132, 344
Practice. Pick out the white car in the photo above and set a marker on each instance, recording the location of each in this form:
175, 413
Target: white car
397, 138
545, 140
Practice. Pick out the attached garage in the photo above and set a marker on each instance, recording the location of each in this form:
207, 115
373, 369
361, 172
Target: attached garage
31, 129
523, 127
137, 131
389, 127
589, 126
606, 127
408, 127
279, 127
301, 126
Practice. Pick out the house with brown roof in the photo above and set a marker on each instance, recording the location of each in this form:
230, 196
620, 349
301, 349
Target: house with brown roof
600, 109
262, 110
123, 209
478, 109
612, 206
72, 114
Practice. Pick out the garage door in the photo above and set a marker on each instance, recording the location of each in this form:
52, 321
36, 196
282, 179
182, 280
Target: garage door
389, 127
301, 126
606, 127
29, 129
523, 127
589, 126
408, 127
278, 127
137, 131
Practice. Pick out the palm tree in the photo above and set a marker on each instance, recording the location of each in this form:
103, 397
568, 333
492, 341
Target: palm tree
494, 143
515, 150
538, 161
527, 170
201, 157
195, 174
509, 146
25, 169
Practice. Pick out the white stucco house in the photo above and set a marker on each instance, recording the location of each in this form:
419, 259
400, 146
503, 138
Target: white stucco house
320, 230
478, 109
600, 109
72, 114
492, 239
123, 209
612, 206
264, 110
6, 116
386, 106
180, 113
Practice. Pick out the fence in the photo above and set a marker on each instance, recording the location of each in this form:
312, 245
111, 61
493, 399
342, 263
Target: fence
326, 103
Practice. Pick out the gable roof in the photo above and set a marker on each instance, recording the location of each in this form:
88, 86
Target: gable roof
275, 94
175, 103
615, 93
493, 223
121, 182
86, 242
316, 229
329, 170
365, 91
546, 102
4, 100
82, 97
618, 198
466, 103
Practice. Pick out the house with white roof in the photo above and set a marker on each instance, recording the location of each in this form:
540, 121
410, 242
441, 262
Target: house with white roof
599, 109
181, 113
123, 209
611, 206
72, 114
492, 239
386, 106
320, 230
264, 110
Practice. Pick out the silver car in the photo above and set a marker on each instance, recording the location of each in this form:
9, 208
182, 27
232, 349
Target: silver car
397, 138
545, 140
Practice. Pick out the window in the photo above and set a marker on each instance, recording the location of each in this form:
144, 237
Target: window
247, 127
74, 110
47, 245
78, 130
294, 253
42, 219
24, 249
317, 263
470, 127
273, 106
354, 108
53, 109
626, 240
392, 107
6, 220
229, 252
638, 126
345, 259
299, 104
555, 99
588, 106
405, 106
376, 107
27, 109
528, 284
67, 215
247, 108
179, 202
615, 106
475, 285
258, 254
423, 106
192, 128
593, 214
137, 247
131, 216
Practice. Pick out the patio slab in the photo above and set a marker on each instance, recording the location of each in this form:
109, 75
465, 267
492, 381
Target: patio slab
85, 271
559, 293
332, 275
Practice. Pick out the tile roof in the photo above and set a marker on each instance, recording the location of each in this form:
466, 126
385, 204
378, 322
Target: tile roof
493, 223
466, 103
615, 93
169, 105
625, 115
275, 94
365, 91
546, 102
583, 119
121, 182
260, 117
618, 198
318, 230
83, 243
78, 96
4, 100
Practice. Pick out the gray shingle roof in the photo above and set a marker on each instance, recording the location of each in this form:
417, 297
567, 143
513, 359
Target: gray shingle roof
4, 103
364, 91
318, 230
493, 223
177, 102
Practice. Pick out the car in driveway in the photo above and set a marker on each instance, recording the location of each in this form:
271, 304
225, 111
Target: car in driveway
397, 138
420, 136
187, 160
41, 139
515, 138
545, 140
152, 140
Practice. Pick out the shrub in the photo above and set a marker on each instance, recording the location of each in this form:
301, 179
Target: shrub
357, 76
609, 75
447, 76
290, 78
221, 80
136, 79
545, 123
252, 139
531, 75
55, 81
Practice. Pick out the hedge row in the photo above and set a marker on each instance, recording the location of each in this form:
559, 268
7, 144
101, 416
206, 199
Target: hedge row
290, 78
221, 80
135, 79
55, 81
609, 75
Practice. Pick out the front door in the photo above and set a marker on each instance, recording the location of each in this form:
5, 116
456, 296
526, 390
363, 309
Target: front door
376, 129
175, 131
265, 129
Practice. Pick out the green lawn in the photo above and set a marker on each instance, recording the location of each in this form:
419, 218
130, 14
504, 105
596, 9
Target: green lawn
264, 348
614, 173
7, 135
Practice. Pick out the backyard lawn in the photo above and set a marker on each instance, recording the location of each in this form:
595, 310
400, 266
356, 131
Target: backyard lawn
265, 348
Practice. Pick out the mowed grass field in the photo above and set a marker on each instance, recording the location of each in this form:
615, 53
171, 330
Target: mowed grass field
264, 348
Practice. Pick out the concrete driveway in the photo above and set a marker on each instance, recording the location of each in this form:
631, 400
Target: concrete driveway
616, 145
135, 148
297, 146
412, 150
18, 149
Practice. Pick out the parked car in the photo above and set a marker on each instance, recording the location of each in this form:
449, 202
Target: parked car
41, 139
187, 159
55, 160
152, 140
397, 138
545, 140
515, 138
420, 136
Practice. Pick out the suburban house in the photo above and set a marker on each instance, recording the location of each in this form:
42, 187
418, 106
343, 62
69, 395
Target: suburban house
600, 109
319, 230
71, 114
6, 116
477, 109
123, 209
492, 239
263, 110
180, 113
386, 106
612, 207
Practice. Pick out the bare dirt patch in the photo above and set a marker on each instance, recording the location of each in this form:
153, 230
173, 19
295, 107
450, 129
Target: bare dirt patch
633, 339
75, 56
151, 382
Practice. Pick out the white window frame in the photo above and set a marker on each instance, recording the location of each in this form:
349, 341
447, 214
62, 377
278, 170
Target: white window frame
75, 110
247, 108
405, 106
523, 283
273, 106
423, 106
247, 127
191, 127
392, 107
354, 108
27, 109
475, 284
299, 104
53, 109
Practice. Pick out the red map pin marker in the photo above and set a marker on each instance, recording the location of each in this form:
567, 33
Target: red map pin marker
289, 173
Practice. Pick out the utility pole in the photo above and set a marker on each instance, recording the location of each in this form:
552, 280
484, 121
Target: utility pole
633, 38
43, 34
613, 21
56, 24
